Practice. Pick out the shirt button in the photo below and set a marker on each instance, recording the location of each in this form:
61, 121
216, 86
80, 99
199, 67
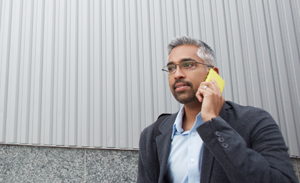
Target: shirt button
193, 133
192, 160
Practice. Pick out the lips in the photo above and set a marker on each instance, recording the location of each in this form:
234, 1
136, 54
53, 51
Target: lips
180, 86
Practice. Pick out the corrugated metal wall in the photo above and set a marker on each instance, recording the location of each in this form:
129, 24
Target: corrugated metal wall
88, 73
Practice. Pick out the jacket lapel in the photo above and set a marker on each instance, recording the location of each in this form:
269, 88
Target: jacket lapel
206, 165
163, 143
207, 157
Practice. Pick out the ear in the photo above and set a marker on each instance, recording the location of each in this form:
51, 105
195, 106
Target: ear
216, 69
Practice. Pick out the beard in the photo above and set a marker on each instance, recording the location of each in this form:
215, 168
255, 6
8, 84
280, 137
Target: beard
184, 97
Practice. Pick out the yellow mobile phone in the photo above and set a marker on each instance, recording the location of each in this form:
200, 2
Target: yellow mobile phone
213, 74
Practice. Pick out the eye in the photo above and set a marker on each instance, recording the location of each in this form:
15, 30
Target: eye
187, 64
171, 68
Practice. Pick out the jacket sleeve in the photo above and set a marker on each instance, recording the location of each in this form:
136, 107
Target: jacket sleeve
262, 157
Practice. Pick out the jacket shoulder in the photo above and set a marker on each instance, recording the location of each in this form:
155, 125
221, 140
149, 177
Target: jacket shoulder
246, 112
149, 130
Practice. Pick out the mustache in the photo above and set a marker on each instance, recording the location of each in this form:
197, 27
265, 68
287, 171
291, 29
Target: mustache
182, 81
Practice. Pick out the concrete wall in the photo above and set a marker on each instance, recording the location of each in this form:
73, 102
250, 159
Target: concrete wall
52, 164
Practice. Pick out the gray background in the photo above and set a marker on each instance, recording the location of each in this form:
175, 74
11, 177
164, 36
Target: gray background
87, 73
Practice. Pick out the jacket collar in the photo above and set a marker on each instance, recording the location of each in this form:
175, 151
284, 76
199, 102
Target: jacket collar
163, 142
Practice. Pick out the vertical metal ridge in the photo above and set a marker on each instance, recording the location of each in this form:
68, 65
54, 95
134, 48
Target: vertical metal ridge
104, 57
280, 55
1, 69
272, 103
100, 91
27, 126
52, 76
261, 71
141, 72
296, 20
16, 125
0, 13
91, 112
151, 80
113, 72
253, 53
164, 40
88, 75
288, 110
241, 69
213, 26
136, 112
67, 94
38, 138
76, 138
153, 56
292, 58
64, 74
81, 108
185, 8
5, 126
226, 67
21, 74
110, 75
232, 47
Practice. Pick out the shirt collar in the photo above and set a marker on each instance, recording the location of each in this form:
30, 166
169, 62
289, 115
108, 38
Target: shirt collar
178, 122
177, 127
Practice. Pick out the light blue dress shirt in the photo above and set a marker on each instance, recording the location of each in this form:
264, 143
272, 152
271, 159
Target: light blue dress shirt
184, 162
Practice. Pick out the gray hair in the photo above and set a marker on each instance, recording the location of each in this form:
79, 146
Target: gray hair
204, 52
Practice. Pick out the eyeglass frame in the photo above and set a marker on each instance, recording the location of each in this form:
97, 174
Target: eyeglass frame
184, 60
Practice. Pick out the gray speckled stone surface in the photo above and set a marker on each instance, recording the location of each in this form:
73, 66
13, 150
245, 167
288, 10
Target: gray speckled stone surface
296, 162
53, 164
41, 164
111, 166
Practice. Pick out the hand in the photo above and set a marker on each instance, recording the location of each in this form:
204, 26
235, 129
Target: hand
211, 98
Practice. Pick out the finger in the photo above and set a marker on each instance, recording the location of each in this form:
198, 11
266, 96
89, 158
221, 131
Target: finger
206, 88
205, 85
199, 94
201, 91
206, 93
210, 84
213, 85
216, 86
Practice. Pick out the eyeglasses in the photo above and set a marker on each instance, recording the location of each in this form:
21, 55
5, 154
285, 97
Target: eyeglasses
185, 65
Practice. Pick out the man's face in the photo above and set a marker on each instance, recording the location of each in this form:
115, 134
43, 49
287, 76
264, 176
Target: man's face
184, 83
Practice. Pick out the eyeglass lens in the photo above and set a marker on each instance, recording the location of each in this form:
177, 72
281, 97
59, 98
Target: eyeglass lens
183, 65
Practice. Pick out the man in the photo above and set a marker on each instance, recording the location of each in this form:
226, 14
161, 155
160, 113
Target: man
209, 139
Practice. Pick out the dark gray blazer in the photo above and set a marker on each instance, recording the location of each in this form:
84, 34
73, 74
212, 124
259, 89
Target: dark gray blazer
243, 144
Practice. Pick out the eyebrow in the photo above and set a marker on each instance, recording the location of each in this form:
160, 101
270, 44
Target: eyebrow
183, 60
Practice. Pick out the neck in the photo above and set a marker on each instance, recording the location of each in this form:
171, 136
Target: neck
191, 111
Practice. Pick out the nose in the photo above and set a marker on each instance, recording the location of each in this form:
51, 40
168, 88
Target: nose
179, 73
